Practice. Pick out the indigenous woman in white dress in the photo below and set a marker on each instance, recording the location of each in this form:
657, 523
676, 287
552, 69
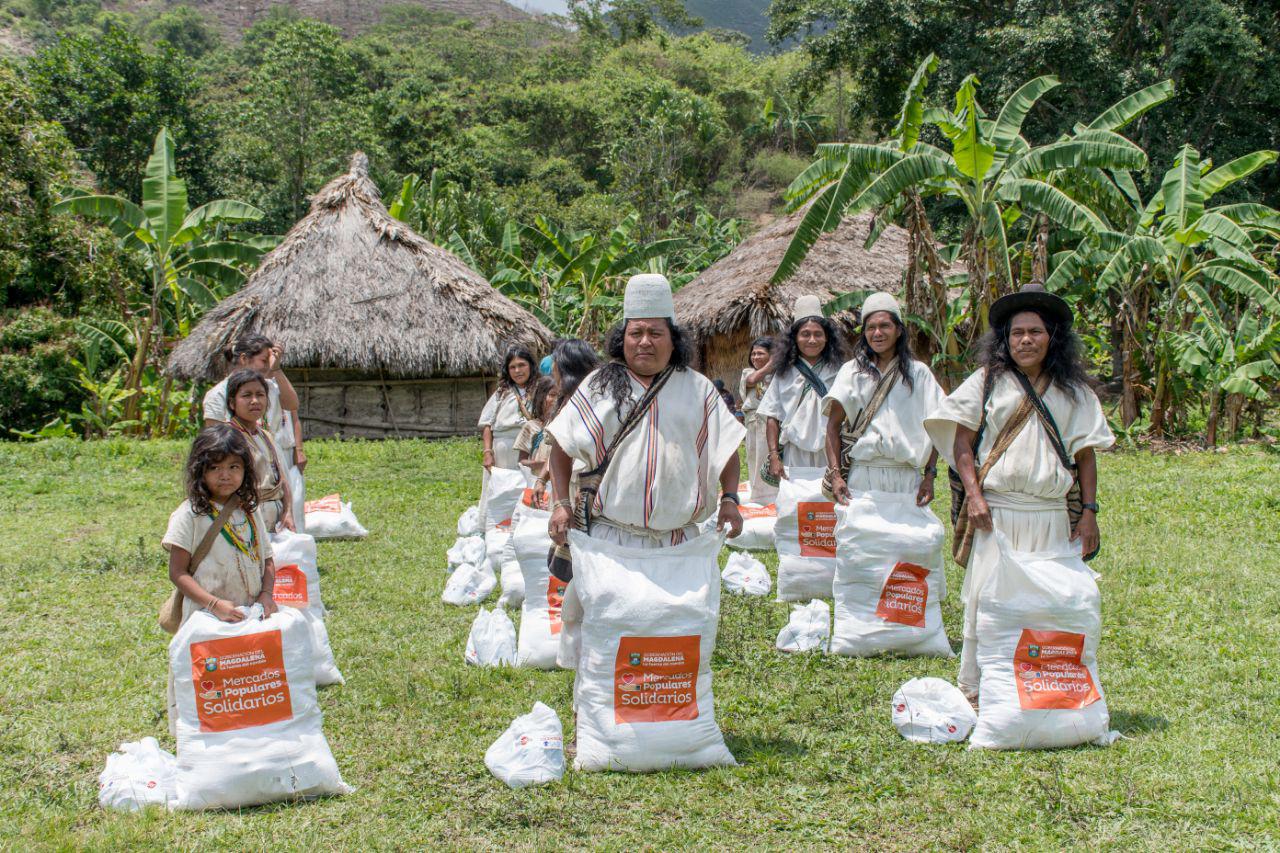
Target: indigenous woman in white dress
1023, 494
506, 411
755, 381
247, 403
805, 364
894, 448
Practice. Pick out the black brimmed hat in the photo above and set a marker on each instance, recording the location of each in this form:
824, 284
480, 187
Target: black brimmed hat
1031, 297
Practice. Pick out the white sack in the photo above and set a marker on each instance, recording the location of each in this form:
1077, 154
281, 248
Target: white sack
745, 575
530, 751
469, 584
469, 521
887, 587
330, 518
540, 612
808, 628
1039, 619
492, 640
495, 541
930, 710
504, 490
805, 537
298, 549
643, 691
141, 774
465, 549
758, 525
249, 727
298, 491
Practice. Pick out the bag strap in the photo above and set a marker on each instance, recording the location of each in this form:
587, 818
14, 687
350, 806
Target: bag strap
202, 549
878, 395
1010, 431
1046, 418
632, 420
522, 407
988, 383
815, 382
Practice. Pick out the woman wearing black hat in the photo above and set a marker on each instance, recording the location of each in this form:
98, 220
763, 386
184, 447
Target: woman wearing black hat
1020, 432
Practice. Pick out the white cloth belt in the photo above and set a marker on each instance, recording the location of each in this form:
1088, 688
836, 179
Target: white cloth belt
656, 535
1024, 502
881, 462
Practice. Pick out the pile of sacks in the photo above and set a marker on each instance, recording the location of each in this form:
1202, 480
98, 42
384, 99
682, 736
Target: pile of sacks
484, 545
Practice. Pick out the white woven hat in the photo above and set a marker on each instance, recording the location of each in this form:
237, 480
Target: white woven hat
648, 295
880, 301
806, 306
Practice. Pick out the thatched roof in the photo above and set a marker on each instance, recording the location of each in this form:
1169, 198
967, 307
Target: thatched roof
352, 288
736, 289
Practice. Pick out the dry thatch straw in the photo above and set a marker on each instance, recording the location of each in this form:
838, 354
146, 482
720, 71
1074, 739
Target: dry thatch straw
352, 288
735, 292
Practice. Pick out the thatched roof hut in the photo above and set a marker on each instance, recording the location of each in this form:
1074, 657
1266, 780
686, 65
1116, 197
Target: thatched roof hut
733, 301
384, 332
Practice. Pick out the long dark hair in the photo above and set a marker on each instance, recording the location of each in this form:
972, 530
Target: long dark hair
574, 359
1064, 362
238, 380
832, 353
517, 351
613, 379
212, 445
246, 345
765, 343
865, 357
539, 388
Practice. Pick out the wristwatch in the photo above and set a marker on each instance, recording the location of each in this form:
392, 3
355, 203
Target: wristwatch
1093, 505
732, 496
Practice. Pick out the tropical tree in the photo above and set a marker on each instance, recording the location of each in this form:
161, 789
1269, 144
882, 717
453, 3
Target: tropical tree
190, 257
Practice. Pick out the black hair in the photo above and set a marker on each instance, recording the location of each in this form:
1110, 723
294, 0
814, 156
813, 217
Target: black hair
517, 351
212, 445
246, 346
865, 357
765, 343
238, 380
574, 359
539, 388
613, 378
1064, 361
832, 353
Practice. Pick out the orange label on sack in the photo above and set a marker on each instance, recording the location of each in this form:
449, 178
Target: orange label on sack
905, 593
655, 679
291, 587
530, 498
817, 528
555, 601
328, 503
502, 525
240, 682
754, 511
1048, 673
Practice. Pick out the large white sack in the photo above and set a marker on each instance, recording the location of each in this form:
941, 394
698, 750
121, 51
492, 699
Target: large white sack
249, 727
495, 542
298, 491
530, 751
141, 774
888, 565
808, 628
930, 710
469, 584
758, 525
330, 518
805, 537
643, 688
1039, 619
469, 521
465, 549
492, 639
510, 577
504, 490
745, 575
298, 549
540, 612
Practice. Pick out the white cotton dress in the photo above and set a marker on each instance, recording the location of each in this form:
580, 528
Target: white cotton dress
797, 408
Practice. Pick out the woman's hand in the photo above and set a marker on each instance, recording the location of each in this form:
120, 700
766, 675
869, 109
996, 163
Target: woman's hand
840, 489
775, 466
978, 511
299, 459
924, 494
487, 460
730, 516
558, 526
1087, 532
277, 356
286, 521
268, 602
226, 611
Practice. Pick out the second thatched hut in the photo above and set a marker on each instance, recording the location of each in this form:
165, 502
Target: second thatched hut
385, 333
733, 300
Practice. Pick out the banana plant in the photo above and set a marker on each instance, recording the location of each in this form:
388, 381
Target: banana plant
190, 257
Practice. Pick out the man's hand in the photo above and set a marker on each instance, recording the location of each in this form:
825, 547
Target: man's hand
775, 466
729, 517
840, 489
487, 460
979, 512
558, 526
924, 494
1087, 532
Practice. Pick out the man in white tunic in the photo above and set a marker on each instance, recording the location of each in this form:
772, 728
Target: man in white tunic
678, 465
1023, 494
806, 360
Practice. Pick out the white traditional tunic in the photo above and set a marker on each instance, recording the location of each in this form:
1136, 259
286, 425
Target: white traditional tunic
502, 415
757, 446
664, 478
268, 474
890, 454
797, 408
1026, 489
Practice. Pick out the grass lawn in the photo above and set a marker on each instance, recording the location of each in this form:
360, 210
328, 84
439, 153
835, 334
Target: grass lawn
1190, 561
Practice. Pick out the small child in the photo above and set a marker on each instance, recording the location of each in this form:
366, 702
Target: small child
238, 569
531, 443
